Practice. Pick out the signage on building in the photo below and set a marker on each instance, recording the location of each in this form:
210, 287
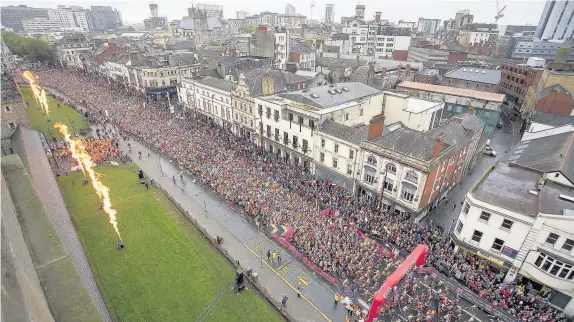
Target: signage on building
509, 252
490, 257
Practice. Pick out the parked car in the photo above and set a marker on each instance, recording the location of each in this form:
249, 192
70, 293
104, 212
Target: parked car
489, 151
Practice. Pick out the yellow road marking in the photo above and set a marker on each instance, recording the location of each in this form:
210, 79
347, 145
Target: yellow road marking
291, 286
302, 281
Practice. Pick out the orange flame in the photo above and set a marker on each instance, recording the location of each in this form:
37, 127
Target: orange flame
79, 154
39, 92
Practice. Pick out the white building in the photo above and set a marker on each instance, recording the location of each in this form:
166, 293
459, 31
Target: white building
358, 33
289, 9
73, 54
282, 48
241, 14
415, 113
428, 26
73, 17
41, 25
293, 122
556, 21
520, 216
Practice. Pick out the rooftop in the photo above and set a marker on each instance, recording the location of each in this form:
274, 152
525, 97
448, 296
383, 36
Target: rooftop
552, 153
329, 95
429, 72
463, 92
353, 134
409, 142
218, 83
508, 187
487, 76
552, 119
417, 105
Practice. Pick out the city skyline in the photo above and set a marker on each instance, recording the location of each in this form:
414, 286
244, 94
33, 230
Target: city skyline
484, 11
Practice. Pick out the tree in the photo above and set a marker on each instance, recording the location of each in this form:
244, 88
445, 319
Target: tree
249, 29
31, 48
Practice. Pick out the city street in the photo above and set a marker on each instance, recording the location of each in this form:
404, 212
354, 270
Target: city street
502, 142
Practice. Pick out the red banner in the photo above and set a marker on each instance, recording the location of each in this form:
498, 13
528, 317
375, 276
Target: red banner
307, 262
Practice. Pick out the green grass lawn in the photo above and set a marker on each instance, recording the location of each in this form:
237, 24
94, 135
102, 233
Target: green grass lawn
57, 114
167, 271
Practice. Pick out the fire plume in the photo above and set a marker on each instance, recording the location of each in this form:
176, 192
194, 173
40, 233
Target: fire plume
78, 151
39, 92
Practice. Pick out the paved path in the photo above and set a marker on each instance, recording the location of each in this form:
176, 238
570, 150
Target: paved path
49, 193
244, 242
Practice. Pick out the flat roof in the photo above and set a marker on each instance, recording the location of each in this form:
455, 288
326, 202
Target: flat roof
486, 96
417, 105
508, 186
486, 76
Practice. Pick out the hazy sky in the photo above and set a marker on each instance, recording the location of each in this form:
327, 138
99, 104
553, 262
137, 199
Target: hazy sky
516, 12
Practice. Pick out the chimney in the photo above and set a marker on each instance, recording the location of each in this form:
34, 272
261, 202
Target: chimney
303, 27
376, 126
437, 145
408, 70
378, 16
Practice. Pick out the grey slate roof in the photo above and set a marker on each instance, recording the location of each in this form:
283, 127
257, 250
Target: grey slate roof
554, 88
487, 76
454, 134
254, 79
353, 134
325, 99
218, 83
472, 122
552, 119
547, 154
409, 142
429, 72
299, 47
292, 78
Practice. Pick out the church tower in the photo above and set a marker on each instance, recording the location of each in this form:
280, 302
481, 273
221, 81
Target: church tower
200, 27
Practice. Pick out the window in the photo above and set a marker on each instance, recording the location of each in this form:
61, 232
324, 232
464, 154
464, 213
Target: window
335, 163
391, 168
465, 208
369, 176
276, 115
312, 124
408, 192
295, 142
371, 160
300, 119
552, 237
459, 227
336, 148
498, 243
484, 216
290, 117
276, 134
7, 108
361, 112
269, 131
322, 143
388, 184
285, 138
12, 125
322, 157
305, 146
506, 224
268, 113
346, 116
351, 154
554, 267
568, 244
411, 176
477, 236
349, 169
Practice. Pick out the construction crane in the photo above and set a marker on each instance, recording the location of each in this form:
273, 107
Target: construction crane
312, 6
499, 13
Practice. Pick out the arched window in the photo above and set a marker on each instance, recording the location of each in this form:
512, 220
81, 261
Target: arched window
408, 192
372, 160
411, 176
391, 168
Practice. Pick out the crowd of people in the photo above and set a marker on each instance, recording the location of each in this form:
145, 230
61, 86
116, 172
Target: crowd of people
272, 192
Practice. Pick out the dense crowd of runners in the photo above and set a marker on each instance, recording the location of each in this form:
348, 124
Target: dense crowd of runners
273, 192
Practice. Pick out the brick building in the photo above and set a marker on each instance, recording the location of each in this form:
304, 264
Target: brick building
555, 100
486, 80
13, 111
515, 80
411, 171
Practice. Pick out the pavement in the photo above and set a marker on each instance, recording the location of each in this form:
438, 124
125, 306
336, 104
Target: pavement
243, 242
